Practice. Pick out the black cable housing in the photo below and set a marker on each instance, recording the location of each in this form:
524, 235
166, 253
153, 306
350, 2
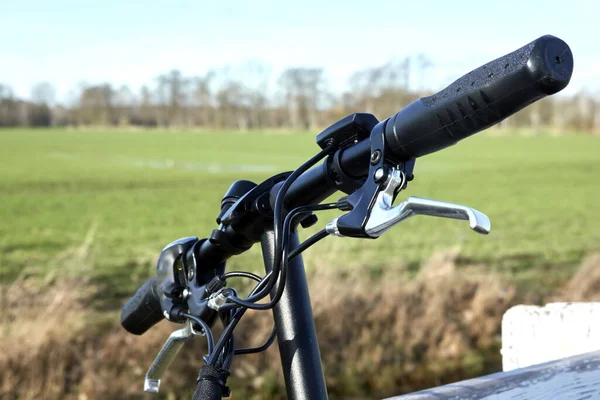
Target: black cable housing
213, 357
278, 215
258, 349
279, 269
205, 328
242, 274
278, 274
322, 234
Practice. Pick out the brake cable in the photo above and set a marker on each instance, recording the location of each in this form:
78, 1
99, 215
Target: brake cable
277, 215
279, 269
228, 330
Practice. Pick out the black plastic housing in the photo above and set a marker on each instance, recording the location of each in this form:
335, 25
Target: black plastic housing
161, 293
353, 128
481, 98
235, 191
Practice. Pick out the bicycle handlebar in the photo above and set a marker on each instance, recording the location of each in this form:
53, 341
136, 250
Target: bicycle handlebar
478, 100
481, 98
472, 103
143, 310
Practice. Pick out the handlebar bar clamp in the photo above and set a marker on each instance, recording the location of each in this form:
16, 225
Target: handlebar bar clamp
342, 181
362, 200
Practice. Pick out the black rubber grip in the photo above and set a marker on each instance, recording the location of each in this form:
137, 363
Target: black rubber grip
143, 310
481, 98
211, 384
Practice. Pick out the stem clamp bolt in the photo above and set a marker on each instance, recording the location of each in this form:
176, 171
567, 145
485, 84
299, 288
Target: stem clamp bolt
375, 157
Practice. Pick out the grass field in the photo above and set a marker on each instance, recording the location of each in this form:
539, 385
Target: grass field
130, 193
85, 214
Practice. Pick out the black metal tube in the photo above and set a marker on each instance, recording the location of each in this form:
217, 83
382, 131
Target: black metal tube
312, 187
355, 159
296, 333
316, 184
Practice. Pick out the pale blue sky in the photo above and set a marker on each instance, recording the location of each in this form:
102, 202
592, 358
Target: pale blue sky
130, 42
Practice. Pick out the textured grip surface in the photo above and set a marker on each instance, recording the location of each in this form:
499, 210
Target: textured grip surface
211, 384
143, 310
208, 390
481, 98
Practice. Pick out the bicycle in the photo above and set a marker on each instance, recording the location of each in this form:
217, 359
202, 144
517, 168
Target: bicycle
371, 162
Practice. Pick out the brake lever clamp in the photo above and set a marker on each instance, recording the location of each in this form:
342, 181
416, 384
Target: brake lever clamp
361, 202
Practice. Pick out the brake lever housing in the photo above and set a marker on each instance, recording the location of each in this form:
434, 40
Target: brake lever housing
361, 202
383, 215
371, 212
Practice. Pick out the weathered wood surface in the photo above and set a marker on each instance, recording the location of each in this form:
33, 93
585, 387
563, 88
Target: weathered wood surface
573, 378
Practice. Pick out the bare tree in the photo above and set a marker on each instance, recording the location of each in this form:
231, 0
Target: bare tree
255, 77
147, 112
302, 88
596, 123
232, 104
171, 89
424, 63
124, 102
96, 105
42, 97
380, 90
239, 97
9, 109
203, 99
43, 93
405, 68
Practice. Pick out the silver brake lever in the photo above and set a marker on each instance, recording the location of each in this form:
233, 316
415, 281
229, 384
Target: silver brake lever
166, 355
382, 219
383, 215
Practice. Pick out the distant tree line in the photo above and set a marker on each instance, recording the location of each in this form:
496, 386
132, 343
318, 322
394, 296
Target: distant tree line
249, 98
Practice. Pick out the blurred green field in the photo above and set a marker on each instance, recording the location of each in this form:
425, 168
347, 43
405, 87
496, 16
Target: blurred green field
124, 195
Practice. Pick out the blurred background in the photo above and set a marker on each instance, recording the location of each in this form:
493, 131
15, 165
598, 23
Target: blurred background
122, 124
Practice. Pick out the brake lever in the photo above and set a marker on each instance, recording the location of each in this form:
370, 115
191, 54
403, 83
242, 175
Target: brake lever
166, 355
382, 215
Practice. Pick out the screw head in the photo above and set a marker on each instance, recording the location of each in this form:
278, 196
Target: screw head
190, 274
375, 157
380, 175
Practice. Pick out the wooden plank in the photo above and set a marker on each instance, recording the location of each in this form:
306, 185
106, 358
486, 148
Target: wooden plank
573, 378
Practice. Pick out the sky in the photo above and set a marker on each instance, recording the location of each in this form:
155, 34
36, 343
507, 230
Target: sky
69, 42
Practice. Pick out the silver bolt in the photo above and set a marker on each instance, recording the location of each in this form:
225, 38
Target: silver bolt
186, 293
379, 174
190, 274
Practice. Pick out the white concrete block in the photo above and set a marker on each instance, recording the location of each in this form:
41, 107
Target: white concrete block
533, 335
